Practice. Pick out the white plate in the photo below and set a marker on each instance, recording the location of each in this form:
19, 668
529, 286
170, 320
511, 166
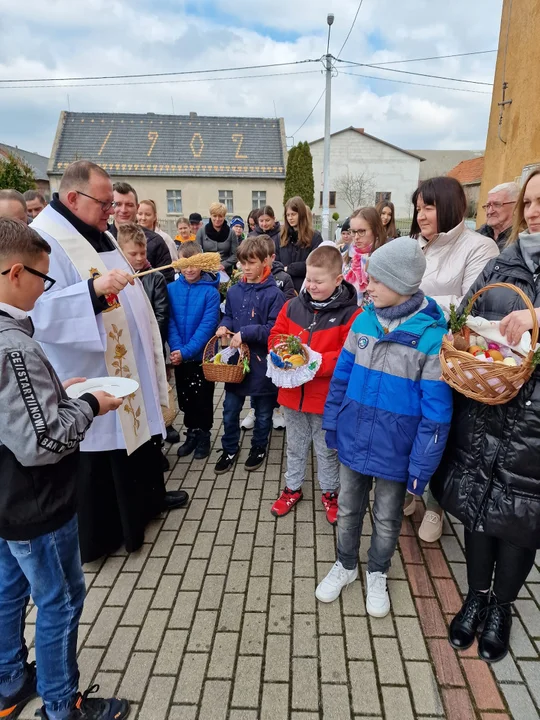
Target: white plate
118, 386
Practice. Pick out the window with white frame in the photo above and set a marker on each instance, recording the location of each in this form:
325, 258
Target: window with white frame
258, 199
226, 198
174, 202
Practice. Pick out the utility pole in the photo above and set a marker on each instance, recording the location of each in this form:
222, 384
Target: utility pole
327, 113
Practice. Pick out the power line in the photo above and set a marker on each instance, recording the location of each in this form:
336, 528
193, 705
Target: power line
350, 31
406, 82
436, 57
409, 72
160, 74
310, 114
158, 82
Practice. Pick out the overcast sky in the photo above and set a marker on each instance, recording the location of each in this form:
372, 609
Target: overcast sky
65, 38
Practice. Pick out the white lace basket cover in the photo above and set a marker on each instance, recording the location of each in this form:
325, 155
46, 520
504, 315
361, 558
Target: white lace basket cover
296, 376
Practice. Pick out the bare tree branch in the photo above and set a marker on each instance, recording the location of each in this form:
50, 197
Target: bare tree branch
356, 189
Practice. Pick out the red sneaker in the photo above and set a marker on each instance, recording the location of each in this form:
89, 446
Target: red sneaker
286, 501
330, 503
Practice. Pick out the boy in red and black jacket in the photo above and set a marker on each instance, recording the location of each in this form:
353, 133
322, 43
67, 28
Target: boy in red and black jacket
321, 316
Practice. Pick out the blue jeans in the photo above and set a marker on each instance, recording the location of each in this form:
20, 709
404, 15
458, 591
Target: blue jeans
387, 516
232, 407
49, 568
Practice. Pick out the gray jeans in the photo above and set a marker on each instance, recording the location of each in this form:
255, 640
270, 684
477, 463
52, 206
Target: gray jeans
387, 517
302, 429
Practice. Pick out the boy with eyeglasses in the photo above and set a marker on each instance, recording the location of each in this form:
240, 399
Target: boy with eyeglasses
39, 547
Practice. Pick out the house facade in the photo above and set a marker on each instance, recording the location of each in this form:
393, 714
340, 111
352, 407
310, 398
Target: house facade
513, 140
358, 159
469, 173
183, 163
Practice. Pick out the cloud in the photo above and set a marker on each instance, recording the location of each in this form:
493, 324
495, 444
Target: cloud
63, 38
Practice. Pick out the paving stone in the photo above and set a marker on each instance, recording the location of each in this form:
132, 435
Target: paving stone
283, 549
382, 626
156, 700
447, 667
243, 546
520, 702
304, 595
194, 574
531, 672
265, 534
203, 545
200, 639
304, 565
150, 576
257, 597
335, 702
282, 578
352, 599
219, 560
178, 559
253, 632
426, 698
358, 643
104, 626
183, 712
247, 679
304, 535
245, 715
448, 594
183, 610
230, 617
279, 616
152, 630
389, 662
212, 592
452, 549
191, 678
171, 652
215, 699
237, 577
305, 638
119, 649
332, 655
261, 562
397, 704
95, 598
122, 589
411, 639
223, 656
275, 702
136, 676
520, 642
137, 607
164, 544
109, 572
400, 595
166, 592
277, 658
530, 615
226, 532
305, 688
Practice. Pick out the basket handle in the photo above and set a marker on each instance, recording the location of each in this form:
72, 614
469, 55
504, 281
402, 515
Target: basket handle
527, 302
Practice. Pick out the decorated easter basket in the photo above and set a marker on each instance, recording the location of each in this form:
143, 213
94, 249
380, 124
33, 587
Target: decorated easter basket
487, 382
291, 363
216, 371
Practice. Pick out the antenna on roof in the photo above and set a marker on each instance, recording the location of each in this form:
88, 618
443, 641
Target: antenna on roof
69, 106
275, 111
172, 103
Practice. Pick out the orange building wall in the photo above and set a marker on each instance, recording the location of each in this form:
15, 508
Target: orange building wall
521, 120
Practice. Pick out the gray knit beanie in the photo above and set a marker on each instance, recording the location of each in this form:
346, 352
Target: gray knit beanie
399, 264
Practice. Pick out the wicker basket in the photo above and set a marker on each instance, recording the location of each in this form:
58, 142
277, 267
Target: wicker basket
222, 372
280, 341
489, 383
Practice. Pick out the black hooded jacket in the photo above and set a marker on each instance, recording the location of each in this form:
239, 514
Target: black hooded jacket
489, 477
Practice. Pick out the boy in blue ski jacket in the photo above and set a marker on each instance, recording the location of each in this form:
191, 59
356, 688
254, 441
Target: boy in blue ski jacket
387, 414
194, 316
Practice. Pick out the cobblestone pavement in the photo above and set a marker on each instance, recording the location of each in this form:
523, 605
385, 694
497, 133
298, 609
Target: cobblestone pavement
215, 618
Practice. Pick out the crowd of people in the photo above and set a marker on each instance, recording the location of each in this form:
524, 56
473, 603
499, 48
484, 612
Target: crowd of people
84, 476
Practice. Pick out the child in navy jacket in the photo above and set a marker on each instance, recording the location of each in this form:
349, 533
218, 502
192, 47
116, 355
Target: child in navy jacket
251, 309
194, 315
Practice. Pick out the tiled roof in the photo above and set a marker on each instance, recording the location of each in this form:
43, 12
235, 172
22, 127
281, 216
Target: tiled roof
468, 171
38, 163
171, 145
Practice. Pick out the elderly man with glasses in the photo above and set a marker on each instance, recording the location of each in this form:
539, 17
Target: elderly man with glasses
499, 210
96, 321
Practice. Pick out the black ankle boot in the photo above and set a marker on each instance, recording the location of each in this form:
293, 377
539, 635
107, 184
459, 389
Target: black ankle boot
202, 449
464, 626
495, 638
173, 436
189, 446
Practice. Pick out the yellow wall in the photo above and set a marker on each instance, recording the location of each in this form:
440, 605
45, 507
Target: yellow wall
521, 120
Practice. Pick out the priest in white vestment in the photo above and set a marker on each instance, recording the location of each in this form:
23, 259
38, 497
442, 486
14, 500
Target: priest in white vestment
97, 321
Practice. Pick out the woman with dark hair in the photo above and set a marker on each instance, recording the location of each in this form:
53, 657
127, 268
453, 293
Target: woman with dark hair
268, 225
298, 239
367, 234
252, 221
455, 257
489, 477
387, 211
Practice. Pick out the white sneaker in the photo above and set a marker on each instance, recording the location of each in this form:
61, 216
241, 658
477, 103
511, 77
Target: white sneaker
248, 423
278, 419
377, 600
330, 588
432, 526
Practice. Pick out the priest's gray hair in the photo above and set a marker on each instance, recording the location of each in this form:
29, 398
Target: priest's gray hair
17, 239
510, 188
78, 175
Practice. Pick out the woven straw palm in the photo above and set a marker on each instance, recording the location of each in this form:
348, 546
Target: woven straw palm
485, 382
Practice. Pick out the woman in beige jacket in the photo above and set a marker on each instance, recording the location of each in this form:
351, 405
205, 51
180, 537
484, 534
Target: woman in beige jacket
455, 257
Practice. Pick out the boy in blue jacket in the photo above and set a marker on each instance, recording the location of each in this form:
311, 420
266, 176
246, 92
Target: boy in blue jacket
194, 315
387, 414
251, 309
